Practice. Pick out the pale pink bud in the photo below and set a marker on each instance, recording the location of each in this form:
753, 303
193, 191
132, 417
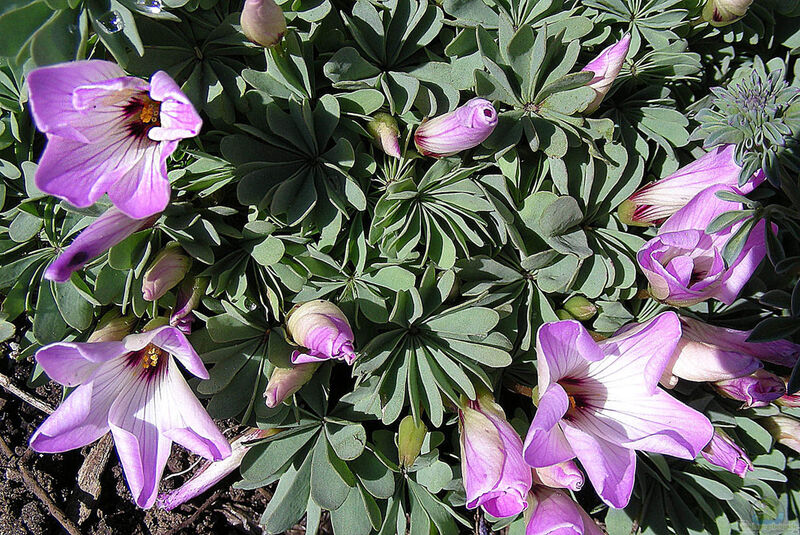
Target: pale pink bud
564, 475
606, 67
385, 132
112, 327
323, 330
722, 451
724, 12
463, 128
211, 473
168, 269
784, 429
286, 381
755, 390
263, 22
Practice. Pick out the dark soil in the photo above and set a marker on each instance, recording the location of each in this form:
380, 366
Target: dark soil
222, 510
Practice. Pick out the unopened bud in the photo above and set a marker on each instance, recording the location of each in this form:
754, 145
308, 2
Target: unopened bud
385, 132
564, 315
724, 12
263, 22
580, 308
168, 269
286, 381
112, 327
409, 440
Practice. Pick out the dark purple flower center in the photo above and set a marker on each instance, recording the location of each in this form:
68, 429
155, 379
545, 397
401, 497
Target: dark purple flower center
151, 359
143, 113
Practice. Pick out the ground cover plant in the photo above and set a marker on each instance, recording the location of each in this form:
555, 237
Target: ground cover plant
400, 266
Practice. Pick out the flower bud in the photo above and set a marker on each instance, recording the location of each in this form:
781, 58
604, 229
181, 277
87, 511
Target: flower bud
495, 475
724, 12
112, 327
263, 22
564, 315
784, 429
580, 308
756, 390
606, 67
385, 132
409, 440
463, 128
564, 475
321, 328
286, 381
722, 451
210, 473
168, 269
190, 292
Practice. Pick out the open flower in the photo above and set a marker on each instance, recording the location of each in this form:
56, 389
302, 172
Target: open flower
684, 265
321, 328
758, 389
101, 235
553, 512
655, 202
606, 67
722, 451
134, 388
495, 476
463, 128
211, 473
107, 132
600, 401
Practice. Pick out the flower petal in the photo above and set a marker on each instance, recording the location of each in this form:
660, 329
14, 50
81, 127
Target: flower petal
700, 211
554, 513
174, 342
178, 117
144, 188
482, 456
739, 273
545, 444
564, 348
72, 363
610, 467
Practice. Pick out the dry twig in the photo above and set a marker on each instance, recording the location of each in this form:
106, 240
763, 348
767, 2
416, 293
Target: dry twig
11, 388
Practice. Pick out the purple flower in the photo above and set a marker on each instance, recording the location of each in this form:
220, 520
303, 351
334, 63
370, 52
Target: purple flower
722, 451
684, 265
600, 402
553, 512
286, 381
606, 67
263, 22
165, 272
565, 475
211, 473
463, 128
107, 132
495, 476
103, 233
758, 389
385, 132
134, 388
656, 201
321, 328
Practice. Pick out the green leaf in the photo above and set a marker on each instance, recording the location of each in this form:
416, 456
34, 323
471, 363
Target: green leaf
331, 480
288, 503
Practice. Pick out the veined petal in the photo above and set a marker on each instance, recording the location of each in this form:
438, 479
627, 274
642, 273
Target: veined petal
50, 93
83, 417
180, 417
178, 117
610, 467
638, 354
739, 273
103, 233
143, 190
143, 450
482, 456
700, 361
174, 342
545, 443
564, 348
72, 363
700, 211
554, 513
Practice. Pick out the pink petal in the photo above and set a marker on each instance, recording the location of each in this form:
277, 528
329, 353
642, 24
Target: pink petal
609, 467
545, 443
144, 190
739, 273
72, 363
700, 211
564, 348
174, 342
178, 117
554, 513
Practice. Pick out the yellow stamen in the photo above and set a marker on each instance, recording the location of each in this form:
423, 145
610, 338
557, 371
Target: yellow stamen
150, 111
151, 356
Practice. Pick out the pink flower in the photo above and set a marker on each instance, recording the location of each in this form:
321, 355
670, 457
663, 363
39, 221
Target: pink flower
656, 201
263, 22
553, 512
165, 272
722, 451
606, 67
211, 473
101, 235
286, 381
463, 128
133, 388
321, 328
758, 389
107, 132
495, 476
600, 402
684, 265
